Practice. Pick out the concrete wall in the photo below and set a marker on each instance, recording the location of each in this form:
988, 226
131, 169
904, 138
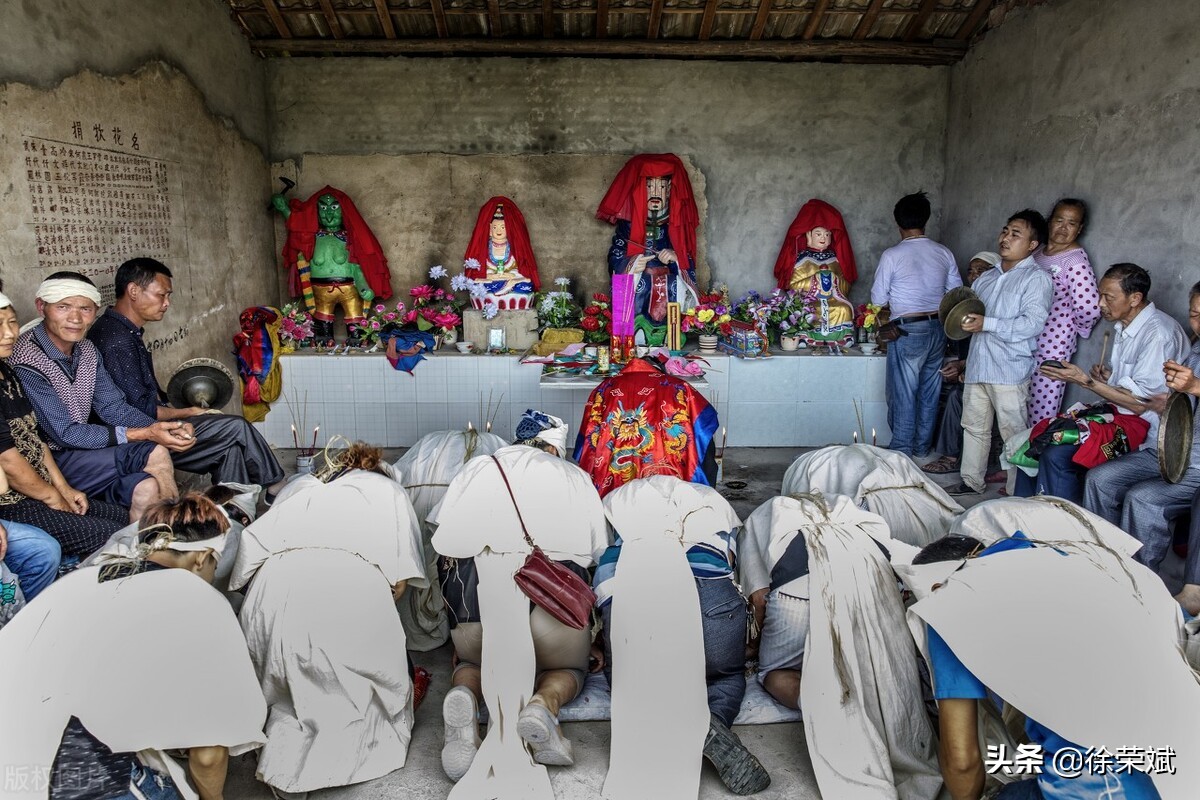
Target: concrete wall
218, 239
765, 137
1092, 98
422, 208
179, 76
44, 41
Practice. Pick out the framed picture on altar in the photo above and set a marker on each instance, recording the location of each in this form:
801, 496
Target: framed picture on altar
496, 339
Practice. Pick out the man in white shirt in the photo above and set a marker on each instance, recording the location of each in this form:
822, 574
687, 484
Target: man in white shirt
911, 280
1016, 296
1145, 339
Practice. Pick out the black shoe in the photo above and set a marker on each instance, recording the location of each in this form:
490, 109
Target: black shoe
740, 771
962, 489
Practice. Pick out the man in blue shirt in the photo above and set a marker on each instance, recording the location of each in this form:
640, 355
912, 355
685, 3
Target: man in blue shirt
227, 446
958, 693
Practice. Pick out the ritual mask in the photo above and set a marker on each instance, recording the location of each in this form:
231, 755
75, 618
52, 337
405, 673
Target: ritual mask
819, 238
658, 194
329, 212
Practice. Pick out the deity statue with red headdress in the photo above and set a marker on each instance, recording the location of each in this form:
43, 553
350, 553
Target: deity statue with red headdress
816, 259
501, 258
333, 259
651, 203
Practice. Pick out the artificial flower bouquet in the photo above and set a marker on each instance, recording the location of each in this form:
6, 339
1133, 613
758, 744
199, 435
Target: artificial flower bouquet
378, 316
597, 319
558, 309
710, 317
866, 316
295, 326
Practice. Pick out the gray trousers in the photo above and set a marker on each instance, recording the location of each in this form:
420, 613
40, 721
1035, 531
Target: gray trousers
229, 449
1130, 493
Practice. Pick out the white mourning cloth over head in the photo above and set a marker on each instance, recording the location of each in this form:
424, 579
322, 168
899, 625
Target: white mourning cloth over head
476, 519
77, 652
916, 509
657, 637
1044, 518
1021, 622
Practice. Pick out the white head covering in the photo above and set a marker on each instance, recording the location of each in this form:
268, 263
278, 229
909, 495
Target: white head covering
4, 301
246, 498
53, 290
987, 256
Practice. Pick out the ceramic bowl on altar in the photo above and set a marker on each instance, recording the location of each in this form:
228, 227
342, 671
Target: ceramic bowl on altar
465, 347
868, 348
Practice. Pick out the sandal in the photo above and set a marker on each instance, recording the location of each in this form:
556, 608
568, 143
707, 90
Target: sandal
942, 466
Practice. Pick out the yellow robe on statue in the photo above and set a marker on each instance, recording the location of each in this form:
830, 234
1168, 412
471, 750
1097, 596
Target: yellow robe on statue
833, 306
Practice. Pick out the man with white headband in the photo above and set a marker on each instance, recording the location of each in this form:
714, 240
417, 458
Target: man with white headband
228, 449
45, 515
122, 459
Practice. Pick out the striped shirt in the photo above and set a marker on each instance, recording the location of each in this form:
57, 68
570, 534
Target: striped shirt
705, 560
1017, 304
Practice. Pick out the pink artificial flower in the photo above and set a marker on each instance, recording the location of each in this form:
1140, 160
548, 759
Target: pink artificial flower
390, 316
410, 317
421, 292
379, 309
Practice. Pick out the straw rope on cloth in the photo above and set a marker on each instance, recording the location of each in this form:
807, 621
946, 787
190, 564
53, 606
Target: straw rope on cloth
1049, 519
916, 509
323, 632
1127, 685
78, 651
657, 637
476, 519
425, 470
864, 718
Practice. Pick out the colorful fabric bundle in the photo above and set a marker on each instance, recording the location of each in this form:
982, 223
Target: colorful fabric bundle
1100, 430
256, 347
405, 348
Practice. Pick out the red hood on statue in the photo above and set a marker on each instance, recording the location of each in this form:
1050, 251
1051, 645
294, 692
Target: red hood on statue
302, 227
815, 214
626, 199
518, 238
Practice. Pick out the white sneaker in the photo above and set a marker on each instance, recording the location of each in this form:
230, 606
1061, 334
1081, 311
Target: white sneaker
538, 727
460, 716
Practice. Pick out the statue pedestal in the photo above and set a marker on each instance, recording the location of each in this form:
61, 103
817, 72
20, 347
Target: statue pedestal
520, 328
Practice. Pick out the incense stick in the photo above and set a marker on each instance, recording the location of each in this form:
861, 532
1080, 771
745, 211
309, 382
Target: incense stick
1104, 347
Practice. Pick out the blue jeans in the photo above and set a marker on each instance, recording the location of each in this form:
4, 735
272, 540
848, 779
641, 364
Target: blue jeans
913, 385
724, 616
1058, 475
33, 556
152, 784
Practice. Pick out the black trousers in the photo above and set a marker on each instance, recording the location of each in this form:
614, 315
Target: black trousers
229, 449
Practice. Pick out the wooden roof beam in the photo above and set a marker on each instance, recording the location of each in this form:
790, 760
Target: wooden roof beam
439, 18
548, 19
385, 19
972, 22
335, 27
494, 17
918, 22
936, 52
601, 19
277, 19
815, 18
868, 20
760, 20
656, 12
706, 22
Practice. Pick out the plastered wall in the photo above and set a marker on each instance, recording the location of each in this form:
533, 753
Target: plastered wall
764, 137
1092, 98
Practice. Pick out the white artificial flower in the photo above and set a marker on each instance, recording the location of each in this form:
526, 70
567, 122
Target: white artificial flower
548, 303
477, 289
471, 263
561, 281
490, 310
437, 272
460, 283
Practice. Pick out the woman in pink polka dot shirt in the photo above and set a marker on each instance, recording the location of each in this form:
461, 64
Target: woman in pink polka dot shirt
1076, 305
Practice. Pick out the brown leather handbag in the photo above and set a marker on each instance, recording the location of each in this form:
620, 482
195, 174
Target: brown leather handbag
551, 586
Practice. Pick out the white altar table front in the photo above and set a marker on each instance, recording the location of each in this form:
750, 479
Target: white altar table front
788, 400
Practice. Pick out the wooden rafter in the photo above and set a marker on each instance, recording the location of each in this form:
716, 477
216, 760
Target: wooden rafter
968, 28
868, 20
918, 22
548, 19
277, 19
601, 19
494, 16
385, 19
706, 22
760, 20
335, 27
581, 11
939, 52
656, 12
815, 18
439, 18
